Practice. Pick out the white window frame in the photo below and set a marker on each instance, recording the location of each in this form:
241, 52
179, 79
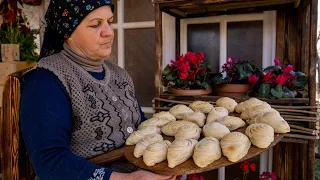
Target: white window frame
269, 33
120, 26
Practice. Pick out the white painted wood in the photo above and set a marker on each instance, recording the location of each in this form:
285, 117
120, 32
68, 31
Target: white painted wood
135, 25
270, 159
269, 38
147, 110
223, 42
263, 162
221, 173
169, 39
121, 39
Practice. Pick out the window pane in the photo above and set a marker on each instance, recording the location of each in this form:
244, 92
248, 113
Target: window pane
114, 53
244, 40
135, 11
205, 38
140, 62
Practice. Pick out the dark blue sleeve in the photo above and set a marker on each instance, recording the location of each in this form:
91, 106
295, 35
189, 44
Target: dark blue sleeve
143, 117
46, 123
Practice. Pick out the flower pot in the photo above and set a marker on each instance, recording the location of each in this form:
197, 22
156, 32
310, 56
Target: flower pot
190, 92
10, 52
231, 90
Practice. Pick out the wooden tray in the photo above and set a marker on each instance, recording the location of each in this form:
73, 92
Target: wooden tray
189, 167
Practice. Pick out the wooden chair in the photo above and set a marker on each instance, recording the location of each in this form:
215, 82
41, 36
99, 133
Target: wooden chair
15, 162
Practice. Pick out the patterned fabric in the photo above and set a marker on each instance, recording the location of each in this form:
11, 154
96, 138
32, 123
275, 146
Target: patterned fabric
104, 111
98, 174
62, 18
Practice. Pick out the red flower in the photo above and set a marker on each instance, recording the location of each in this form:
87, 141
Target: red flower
267, 77
273, 176
191, 57
195, 177
183, 75
287, 70
281, 79
244, 167
253, 167
276, 61
253, 79
184, 67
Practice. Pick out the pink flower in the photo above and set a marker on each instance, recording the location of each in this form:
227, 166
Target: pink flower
287, 70
276, 61
281, 79
229, 60
183, 75
267, 77
253, 79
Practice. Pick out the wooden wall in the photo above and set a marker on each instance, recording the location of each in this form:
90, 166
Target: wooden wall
296, 45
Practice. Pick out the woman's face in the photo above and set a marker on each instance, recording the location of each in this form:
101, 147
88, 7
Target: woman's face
94, 35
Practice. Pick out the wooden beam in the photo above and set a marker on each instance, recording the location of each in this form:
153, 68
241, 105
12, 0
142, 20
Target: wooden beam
297, 3
159, 52
305, 40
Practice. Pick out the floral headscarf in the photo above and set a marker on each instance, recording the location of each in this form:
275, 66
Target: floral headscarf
62, 18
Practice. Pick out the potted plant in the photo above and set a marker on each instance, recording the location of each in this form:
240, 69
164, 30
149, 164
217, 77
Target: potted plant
279, 82
238, 73
17, 41
187, 75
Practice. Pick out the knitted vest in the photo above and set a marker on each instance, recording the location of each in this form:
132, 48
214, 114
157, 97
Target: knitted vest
104, 112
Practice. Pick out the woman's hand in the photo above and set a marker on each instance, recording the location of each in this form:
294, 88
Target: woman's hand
140, 175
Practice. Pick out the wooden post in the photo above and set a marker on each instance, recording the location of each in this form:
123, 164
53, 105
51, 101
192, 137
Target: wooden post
159, 55
10, 52
312, 81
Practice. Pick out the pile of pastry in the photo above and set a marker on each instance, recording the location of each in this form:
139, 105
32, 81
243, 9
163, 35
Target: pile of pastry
215, 123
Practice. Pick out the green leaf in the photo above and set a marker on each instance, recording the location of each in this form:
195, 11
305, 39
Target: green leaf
219, 80
277, 91
240, 69
171, 76
206, 85
274, 69
264, 90
287, 93
166, 70
247, 67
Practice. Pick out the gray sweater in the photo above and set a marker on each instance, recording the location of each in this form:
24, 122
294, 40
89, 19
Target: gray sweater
105, 112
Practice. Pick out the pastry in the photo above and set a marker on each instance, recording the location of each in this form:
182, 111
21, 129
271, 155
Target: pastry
216, 114
235, 146
202, 106
142, 145
164, 115
232, 122
206, 151
179, 151
171, 128
260, 135
153, 122
180, 110
227, 103
196, 117
245, 105
156, 153
188, 131
136, 136
215, 129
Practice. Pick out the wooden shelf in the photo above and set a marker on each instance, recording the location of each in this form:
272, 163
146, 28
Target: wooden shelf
197, 8
293, 101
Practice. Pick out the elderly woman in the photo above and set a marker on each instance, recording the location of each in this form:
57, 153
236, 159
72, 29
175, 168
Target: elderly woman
74, 104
